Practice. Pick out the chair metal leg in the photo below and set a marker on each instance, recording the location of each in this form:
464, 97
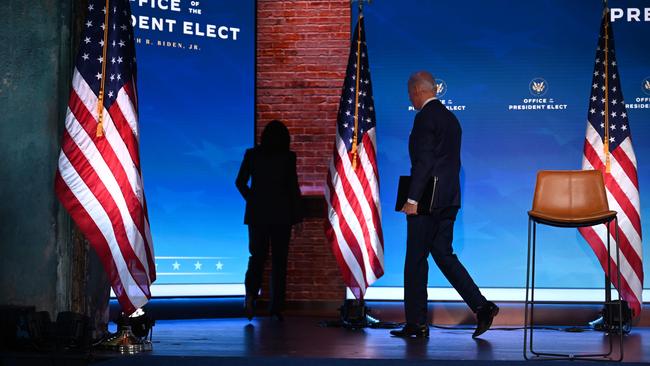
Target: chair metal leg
618, 286
527, 288
529, 320
532, 290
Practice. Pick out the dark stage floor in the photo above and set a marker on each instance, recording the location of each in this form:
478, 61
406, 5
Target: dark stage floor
296, 340
302, 341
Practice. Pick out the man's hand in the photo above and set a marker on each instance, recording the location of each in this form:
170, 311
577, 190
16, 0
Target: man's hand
410, 208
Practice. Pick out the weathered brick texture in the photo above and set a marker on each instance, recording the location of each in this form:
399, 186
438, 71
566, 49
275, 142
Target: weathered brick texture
302, 49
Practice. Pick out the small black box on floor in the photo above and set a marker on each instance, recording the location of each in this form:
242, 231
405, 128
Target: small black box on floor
72, 330
611, 316
15, 326
353, 313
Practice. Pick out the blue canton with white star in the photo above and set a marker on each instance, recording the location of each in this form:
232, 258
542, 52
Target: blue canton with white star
120, 54
366, 108
619, 128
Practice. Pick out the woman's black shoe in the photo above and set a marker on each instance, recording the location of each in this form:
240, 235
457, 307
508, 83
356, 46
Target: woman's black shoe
249, 307
412, 330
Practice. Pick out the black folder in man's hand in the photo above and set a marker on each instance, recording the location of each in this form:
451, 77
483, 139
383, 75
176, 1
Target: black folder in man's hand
425, 204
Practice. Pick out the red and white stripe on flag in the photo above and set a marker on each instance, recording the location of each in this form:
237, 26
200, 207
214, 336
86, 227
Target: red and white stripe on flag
609, 136
99, 179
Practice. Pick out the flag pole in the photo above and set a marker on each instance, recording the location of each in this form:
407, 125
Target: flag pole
356, 90
606, 120
100, 99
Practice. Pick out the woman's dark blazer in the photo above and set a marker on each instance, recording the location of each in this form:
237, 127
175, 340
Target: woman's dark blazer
273, 196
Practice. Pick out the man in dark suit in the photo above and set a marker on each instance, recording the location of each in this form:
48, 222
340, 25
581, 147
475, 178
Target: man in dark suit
272, 207
434, 150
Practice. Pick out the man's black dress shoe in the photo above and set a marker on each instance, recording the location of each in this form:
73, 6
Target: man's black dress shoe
412, 330
484, 316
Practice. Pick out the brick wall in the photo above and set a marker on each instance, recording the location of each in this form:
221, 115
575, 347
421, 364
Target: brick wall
302, 49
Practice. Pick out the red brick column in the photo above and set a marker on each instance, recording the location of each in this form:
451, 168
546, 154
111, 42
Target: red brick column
302, 49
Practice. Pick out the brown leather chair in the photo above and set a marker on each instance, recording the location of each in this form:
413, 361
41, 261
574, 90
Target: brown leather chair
570, 199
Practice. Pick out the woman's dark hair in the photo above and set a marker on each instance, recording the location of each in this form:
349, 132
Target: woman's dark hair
275, 137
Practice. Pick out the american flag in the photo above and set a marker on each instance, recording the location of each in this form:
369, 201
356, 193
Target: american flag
99, 178
352, 190
608, 148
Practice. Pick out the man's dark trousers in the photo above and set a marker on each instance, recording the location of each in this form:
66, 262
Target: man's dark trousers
433, 234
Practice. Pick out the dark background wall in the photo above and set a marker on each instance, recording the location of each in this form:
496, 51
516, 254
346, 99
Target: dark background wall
35, 250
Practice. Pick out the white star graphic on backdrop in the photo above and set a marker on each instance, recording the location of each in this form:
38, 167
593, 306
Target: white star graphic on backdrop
176, 265
197, 265
219, 266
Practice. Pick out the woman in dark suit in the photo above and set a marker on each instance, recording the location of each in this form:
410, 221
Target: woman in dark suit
272, 207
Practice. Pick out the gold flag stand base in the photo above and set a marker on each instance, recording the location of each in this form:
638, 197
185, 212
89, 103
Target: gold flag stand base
125, 342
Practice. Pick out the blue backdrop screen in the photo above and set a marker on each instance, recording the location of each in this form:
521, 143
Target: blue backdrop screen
196, 70
486, 57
